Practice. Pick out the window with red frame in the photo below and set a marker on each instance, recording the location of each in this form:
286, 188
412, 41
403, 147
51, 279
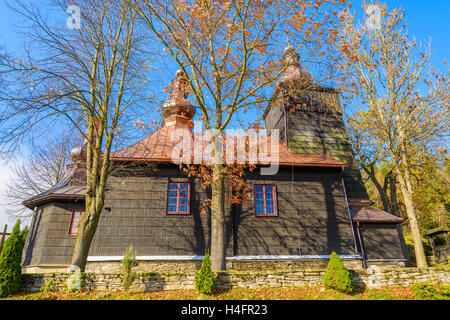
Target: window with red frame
265, 200
178, 198
73, 229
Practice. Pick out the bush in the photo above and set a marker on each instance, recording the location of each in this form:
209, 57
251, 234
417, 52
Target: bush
48, 286
128, 263
430, 291
75, 281
205, 281
11, 260
23, 235
337, 276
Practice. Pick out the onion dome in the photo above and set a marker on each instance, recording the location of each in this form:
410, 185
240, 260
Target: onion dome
293, 72
78, 154
177, 107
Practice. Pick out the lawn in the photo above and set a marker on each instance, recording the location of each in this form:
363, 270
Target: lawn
291, 293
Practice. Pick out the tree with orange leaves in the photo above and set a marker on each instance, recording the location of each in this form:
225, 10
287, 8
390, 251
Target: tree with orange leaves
228, 51
87, 78
404, 110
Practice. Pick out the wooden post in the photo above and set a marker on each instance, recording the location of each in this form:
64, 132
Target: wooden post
433, 248
3, 237
447, 240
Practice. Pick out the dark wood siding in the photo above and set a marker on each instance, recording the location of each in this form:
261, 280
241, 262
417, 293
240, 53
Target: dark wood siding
382, 241
312, 219
275, 119
316, 127
48, 241
138, 216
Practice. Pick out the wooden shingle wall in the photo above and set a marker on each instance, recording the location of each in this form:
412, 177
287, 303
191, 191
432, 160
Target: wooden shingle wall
382, 241
315, 126
312, 219
138, 216
48, 240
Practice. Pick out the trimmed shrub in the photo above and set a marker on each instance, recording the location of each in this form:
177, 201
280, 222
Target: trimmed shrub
337, 276
10, 262
205, 282
128, 263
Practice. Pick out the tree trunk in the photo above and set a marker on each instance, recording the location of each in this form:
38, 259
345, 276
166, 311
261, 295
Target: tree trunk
85, 234
380, 189
393, 191
218, 218
411, 213
88, 222
217, 207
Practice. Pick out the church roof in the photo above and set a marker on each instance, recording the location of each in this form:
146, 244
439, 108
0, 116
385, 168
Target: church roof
69, 187
158, 147
372, 215
161, 145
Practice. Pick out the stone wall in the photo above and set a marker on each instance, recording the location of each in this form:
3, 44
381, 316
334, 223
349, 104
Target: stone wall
145, 266
194, 265
235, 265
298, 264
372, 277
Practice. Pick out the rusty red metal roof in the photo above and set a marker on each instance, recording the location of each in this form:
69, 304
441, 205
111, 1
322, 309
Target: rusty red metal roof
372, 215
159, 146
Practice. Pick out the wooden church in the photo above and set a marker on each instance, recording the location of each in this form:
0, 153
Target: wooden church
315, 204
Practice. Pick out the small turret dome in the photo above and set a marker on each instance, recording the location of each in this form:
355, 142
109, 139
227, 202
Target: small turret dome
293, 72
79, 153
176, 105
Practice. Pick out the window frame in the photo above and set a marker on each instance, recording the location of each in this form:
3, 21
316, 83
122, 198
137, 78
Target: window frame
70, 232
275, 200
171, 213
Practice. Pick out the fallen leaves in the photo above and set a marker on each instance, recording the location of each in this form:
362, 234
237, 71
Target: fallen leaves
266, 293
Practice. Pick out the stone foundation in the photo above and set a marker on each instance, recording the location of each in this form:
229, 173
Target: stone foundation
194, 265
145, 266
386, 264
300, 264
373, 277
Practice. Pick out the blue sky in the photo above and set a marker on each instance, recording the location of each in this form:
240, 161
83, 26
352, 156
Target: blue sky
426, 20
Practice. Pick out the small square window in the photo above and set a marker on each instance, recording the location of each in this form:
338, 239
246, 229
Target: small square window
178, 198
73, 228
265, 200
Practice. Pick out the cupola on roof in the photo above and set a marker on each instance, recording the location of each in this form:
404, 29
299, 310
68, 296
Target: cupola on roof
293, 72
177, 108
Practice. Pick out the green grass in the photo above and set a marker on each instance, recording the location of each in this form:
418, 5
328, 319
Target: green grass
288, 293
